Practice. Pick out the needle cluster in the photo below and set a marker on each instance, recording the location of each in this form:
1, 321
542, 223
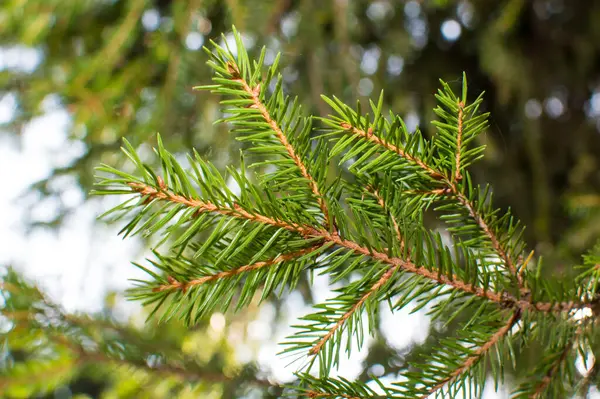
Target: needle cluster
363, 227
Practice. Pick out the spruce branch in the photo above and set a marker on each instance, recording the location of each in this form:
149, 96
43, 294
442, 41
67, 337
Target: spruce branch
254, 94
551, 373
184, 286
368, 233
370, 136
312, 232
380, 283
504, 299
81, 355
58, 344
316, 348
451, 184
477, 354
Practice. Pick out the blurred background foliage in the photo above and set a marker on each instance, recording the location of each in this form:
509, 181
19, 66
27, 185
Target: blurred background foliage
125, 68
98, 357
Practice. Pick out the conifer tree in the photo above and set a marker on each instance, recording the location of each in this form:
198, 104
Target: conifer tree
365, 228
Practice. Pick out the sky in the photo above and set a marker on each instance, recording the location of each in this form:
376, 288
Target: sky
78, 263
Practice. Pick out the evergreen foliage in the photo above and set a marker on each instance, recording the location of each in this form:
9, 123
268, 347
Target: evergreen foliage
365, 228
124, 69
46, 349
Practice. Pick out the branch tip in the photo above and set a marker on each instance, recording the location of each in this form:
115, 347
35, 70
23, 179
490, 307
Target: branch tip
457, 174
161, 183
233, 69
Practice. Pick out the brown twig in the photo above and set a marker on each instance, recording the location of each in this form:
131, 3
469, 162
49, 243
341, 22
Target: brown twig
487, 230
236, 211
254, 93
472, 359
383, 143
547, 379
184, 286
380, 283
505, 299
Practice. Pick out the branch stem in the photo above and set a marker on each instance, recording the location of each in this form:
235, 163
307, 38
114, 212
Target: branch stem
555, 368
504, 299
184, 286
477, 354
380, 283
451, 185
389, 146
254, 93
